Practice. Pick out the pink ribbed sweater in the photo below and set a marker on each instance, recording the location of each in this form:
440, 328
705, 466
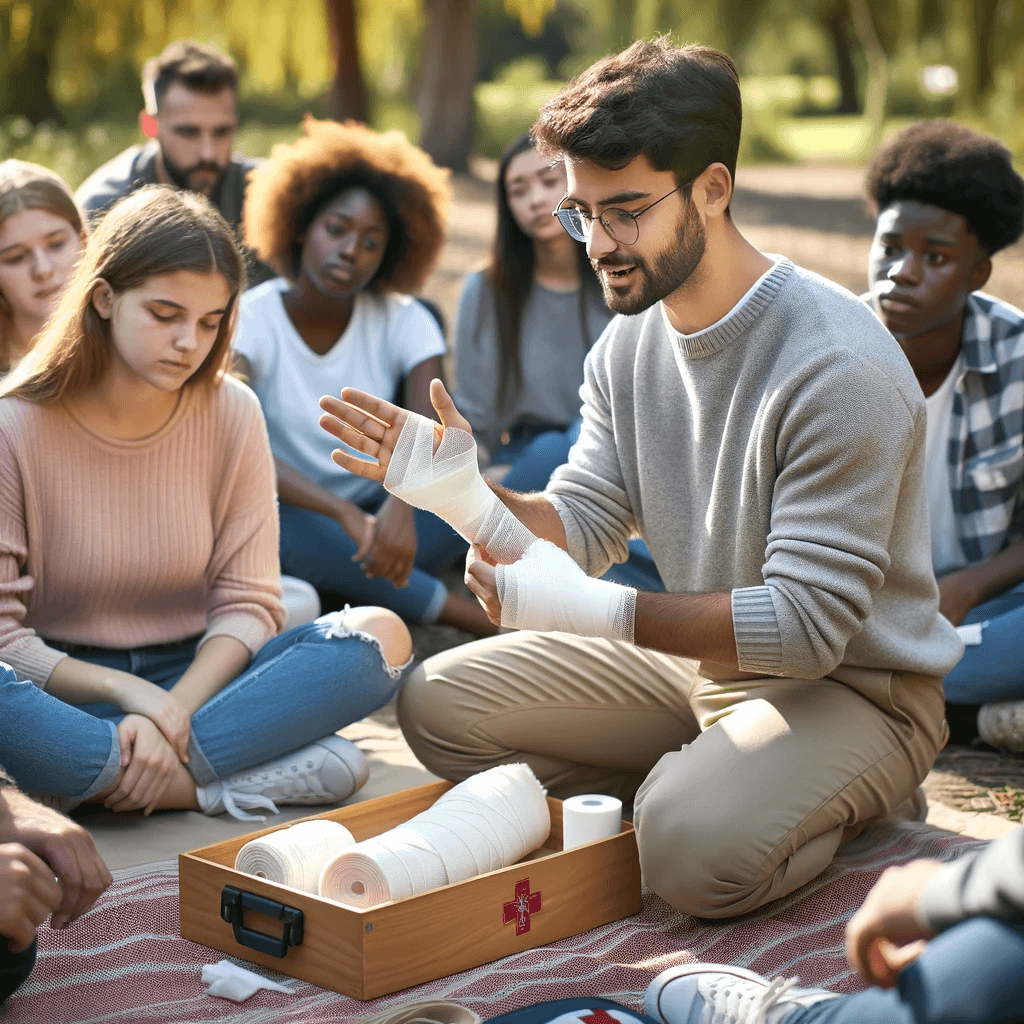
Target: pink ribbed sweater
127, 543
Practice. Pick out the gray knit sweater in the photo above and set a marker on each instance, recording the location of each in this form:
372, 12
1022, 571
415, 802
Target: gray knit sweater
776, 455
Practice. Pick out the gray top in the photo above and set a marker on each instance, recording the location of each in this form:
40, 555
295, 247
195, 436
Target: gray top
988, 882
779, 455
552, 350
136, 166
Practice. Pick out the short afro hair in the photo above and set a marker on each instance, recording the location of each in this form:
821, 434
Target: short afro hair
287, 192
956, 169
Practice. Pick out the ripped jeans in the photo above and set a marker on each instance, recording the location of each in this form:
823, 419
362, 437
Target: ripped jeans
301, 686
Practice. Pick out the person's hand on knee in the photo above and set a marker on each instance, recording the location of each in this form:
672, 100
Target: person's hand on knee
886, 933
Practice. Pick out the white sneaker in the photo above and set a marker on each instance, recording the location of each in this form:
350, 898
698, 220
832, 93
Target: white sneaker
325, 772
1002, 725
720, 994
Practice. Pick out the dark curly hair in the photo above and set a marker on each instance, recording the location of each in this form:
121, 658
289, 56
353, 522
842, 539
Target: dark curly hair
954, 168
286, 193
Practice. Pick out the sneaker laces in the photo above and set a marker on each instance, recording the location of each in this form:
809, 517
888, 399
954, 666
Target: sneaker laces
234, 800
732, 1000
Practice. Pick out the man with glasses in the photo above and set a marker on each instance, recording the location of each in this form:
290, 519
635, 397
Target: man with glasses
763, 433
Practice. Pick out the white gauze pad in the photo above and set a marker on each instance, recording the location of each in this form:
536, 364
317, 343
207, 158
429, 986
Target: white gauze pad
448, 483
547, 591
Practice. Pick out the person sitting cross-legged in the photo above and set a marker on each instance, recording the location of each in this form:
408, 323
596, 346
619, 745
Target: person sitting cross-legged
762, 432
943, 943
947, 199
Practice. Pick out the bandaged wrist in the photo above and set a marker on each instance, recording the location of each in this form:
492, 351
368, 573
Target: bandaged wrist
547, 591
449, 484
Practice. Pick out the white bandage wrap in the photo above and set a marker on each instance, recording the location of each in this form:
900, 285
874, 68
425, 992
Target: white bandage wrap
547, 591
448, 483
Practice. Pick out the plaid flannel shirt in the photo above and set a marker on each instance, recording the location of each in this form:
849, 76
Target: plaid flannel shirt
986, 438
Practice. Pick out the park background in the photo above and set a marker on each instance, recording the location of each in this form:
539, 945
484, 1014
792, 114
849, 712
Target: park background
823, 83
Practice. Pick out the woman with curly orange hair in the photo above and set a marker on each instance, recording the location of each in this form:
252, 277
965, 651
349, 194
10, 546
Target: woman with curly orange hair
353, 221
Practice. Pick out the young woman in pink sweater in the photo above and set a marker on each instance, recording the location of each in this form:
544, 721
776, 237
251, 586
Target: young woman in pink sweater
139, 578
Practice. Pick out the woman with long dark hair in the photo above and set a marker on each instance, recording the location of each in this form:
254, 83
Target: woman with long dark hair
525, 324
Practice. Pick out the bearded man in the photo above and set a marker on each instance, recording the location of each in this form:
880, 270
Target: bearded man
760, 429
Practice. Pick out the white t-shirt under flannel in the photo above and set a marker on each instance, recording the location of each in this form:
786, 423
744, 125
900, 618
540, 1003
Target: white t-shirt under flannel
387, 336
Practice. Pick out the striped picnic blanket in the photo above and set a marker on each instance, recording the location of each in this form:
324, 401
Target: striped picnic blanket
124, 961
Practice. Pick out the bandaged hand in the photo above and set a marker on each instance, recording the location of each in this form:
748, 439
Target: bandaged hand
547, 591
426, 466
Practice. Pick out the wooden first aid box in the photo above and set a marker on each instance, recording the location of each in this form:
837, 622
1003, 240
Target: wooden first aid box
366, 953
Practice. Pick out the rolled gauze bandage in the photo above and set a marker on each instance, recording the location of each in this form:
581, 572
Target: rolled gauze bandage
589, 817
547, 591
448, 483
489, 821
295, 856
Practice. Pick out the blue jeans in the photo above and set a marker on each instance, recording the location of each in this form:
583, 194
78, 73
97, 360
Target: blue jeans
300, 686
316, 549
971, 974
534, 458
992, 670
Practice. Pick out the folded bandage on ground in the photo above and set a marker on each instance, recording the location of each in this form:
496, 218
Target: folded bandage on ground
547, 591
491, 820
448, 483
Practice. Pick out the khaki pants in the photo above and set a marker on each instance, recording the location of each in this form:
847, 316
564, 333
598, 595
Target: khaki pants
743, 787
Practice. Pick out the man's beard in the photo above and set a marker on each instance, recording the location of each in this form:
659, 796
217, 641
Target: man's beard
182, 176
672, 267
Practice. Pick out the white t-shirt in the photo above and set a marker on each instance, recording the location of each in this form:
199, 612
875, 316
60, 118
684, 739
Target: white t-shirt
947, 554
387, 336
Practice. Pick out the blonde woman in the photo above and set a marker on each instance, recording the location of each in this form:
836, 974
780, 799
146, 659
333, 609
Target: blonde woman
42, 232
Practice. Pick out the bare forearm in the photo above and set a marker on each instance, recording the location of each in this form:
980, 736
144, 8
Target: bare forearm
81, 682
216, 663
295, 489
690, 625
997, 574
535, 512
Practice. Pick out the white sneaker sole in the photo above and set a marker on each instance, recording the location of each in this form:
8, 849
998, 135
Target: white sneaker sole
654, 991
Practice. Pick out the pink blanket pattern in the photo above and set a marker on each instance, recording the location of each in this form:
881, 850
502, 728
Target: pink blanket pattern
125, 962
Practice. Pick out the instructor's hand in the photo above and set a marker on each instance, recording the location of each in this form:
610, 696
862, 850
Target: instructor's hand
372, 426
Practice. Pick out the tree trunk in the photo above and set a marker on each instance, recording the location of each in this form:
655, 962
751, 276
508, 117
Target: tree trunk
876, 90
846, 72
28, 59
347, 96
447, 77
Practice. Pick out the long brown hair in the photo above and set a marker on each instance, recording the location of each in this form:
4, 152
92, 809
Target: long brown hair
157, 230
510, 271
25, 186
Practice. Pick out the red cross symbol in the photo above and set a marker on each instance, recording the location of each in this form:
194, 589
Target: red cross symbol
520, 909
600, 1017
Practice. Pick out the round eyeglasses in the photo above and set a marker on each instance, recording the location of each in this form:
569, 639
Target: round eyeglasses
620, 224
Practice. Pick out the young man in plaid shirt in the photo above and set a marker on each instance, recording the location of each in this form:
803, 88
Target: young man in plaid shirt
947, 199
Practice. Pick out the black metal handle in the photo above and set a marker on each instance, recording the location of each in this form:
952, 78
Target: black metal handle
234, 901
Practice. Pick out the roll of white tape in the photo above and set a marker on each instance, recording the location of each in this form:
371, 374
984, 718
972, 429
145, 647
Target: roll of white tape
589, 817
295, 856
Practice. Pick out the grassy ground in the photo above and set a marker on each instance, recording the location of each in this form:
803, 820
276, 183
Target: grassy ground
815, 214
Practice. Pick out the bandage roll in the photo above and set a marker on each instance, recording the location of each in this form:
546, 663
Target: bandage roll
295, 856
589, 817
487, 822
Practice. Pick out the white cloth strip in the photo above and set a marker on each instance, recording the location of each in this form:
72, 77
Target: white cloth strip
449, 484
491, 820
